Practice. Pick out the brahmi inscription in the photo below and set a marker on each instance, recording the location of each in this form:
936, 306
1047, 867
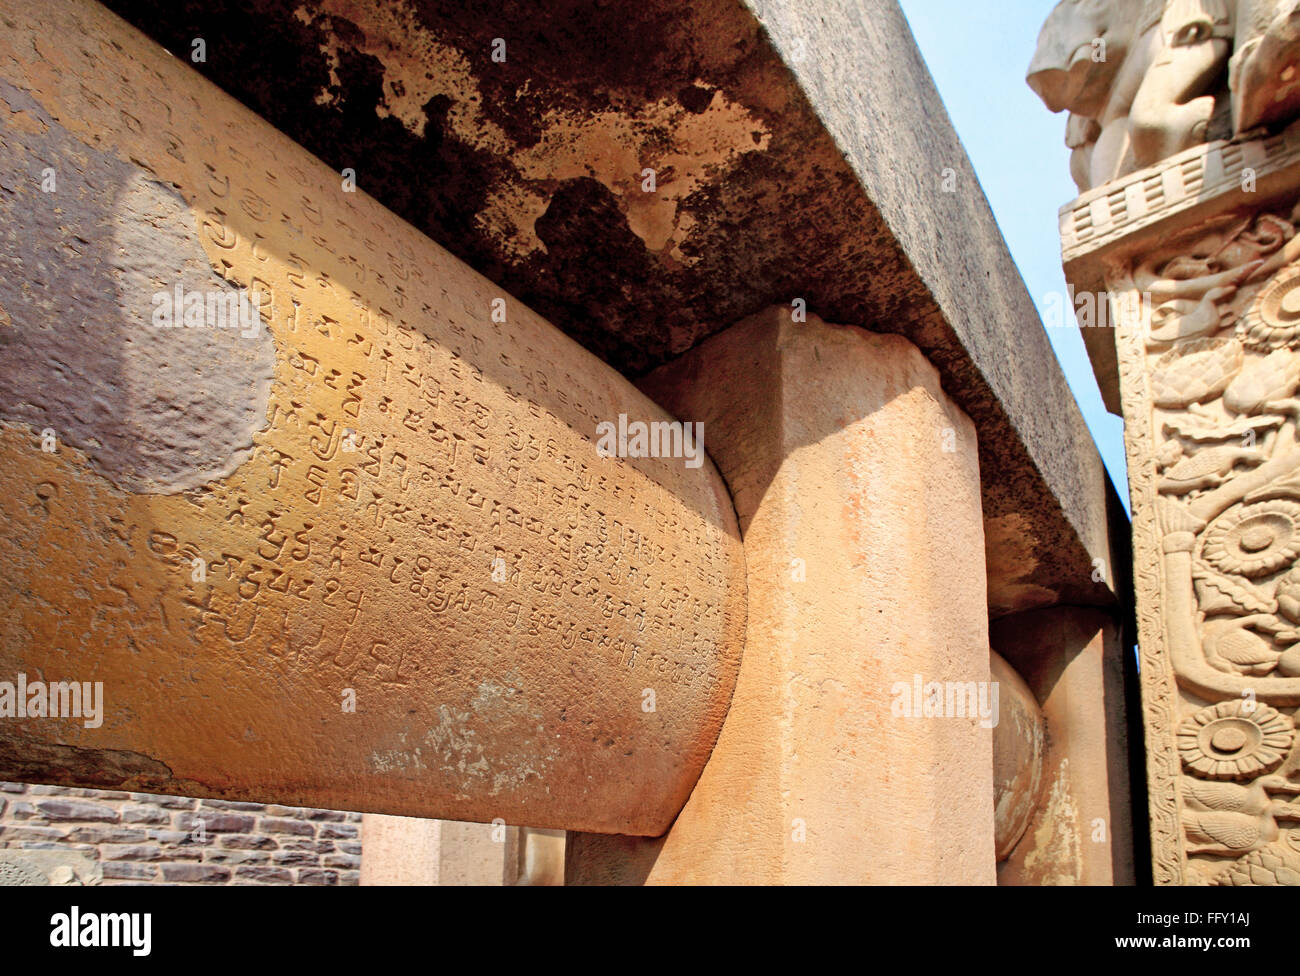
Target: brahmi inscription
425, 592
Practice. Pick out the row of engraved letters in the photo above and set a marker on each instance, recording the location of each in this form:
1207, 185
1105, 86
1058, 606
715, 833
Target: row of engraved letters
538, 622
137, 80
562, 497
250, 577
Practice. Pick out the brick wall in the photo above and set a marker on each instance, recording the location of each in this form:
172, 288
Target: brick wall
133, 838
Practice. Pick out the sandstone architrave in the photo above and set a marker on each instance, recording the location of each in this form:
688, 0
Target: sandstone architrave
361, 554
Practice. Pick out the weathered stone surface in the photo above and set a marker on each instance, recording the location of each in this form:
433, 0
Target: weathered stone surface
274, 825
253, 807
115, 240
315, 876
856, 483
800, 150
293, 858
148, 815
63, 868
219, 823
76, 810
136, 853
264, 875
400, 850
17, 870
422, 526
197, 873
247, 842
95, 834
1019, 742
1081, 831
128, 871
215, 856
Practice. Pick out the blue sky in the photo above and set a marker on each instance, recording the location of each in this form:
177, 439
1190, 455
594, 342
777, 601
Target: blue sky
977, 51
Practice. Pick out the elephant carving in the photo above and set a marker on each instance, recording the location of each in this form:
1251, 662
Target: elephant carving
1144, 79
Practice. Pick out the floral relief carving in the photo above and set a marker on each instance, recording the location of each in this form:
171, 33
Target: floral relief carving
1218, 370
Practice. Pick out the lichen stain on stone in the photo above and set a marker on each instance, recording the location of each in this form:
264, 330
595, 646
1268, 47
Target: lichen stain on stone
417, 67
1009, 553
156, 410
25, 760
1017, 791
686, 150
474, 763
690, 141
1055, 857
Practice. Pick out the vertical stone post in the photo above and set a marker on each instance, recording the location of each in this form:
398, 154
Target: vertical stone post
1082, 830
415, 851
856, 484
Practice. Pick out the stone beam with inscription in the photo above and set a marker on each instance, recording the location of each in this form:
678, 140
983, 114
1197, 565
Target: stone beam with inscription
350, 546
648, 174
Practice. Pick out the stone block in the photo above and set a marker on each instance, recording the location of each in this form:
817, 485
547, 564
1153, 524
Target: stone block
279, 825
66, 809
197, 873
264, 875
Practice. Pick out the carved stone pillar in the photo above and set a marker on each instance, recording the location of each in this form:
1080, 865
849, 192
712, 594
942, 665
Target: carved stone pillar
1191, 246
1206, 333
1199, 256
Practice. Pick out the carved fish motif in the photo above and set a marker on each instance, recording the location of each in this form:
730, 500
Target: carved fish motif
1205, 469
1195, 371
